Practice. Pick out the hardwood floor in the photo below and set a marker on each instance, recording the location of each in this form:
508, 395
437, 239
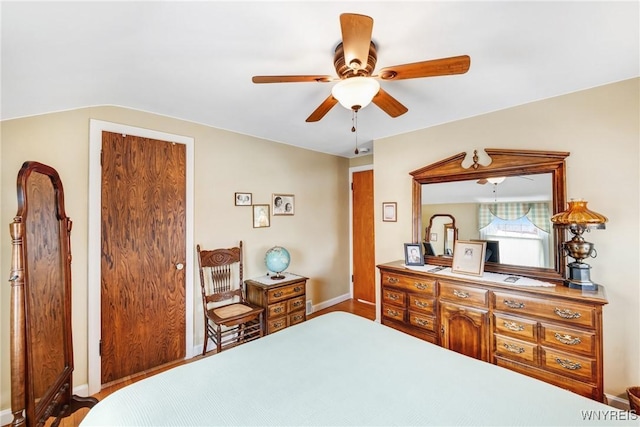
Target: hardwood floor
351, 306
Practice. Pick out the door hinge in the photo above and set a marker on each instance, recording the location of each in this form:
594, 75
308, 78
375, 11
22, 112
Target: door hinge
100, 348
101, 157
352, 186
352, 277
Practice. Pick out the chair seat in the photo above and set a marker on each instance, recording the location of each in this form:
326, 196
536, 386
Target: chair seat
233, 314
231, 310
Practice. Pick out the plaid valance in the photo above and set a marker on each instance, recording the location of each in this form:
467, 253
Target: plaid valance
537, 212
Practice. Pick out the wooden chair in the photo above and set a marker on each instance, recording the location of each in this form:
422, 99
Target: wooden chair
228, 319
41, 342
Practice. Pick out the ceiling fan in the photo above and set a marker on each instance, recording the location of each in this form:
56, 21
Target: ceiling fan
355, 59
498, 180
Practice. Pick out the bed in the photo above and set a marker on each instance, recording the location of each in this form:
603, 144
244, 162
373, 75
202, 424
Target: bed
341, 369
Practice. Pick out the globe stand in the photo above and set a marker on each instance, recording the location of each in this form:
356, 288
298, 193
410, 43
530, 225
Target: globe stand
277, 276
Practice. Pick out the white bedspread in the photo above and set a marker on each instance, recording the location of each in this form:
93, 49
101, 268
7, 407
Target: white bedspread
340, 369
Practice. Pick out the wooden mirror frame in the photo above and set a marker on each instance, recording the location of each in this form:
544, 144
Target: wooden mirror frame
507, 163
41, 342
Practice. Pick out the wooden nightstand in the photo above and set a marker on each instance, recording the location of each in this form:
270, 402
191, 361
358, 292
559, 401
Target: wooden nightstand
284, 300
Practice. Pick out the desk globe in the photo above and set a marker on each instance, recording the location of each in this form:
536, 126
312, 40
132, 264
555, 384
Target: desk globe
277, 260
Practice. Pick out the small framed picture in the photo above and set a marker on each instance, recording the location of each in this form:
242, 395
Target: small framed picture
413, 254
389, 211
261, 216
468, 257
243, 199
284, 204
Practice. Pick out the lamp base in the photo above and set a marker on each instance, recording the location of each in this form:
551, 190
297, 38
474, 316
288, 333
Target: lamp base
579, 277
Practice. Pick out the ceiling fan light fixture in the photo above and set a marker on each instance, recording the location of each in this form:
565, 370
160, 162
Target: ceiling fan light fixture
355, 93
497, 179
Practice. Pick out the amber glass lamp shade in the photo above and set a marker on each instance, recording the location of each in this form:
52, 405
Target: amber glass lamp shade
578, 214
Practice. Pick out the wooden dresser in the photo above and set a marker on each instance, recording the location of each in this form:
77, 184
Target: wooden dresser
284, 300
550, 333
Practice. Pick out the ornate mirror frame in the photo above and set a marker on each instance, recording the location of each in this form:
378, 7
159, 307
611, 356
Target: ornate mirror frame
504, 162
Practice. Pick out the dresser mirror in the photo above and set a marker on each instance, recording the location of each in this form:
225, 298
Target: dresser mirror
510, 193
440, 235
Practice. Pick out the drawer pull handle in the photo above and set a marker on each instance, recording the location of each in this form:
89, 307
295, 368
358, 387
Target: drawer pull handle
297, 289
422, 304
392, 280
513, 304
393, 313
566, 313
513, 326
514, 348
421, 286
277, 294
297, 303
567, 339
296, 318
278, 324
277, 310
393, 297
567, 364
422, 322
460, 294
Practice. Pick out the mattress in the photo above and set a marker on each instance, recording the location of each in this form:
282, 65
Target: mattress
341, 369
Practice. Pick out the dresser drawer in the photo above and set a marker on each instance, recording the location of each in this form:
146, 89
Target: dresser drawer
285, 292
276, 310
419, 303
274, 325
561, 311
393, 312
414, 284
463, 294
422, 320
295, 304
568, 339
512, 348
391, 296
515, 326
297, 317
568, 364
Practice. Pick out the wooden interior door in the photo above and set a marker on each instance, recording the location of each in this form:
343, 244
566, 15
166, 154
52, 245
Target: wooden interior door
143, 254
364, 268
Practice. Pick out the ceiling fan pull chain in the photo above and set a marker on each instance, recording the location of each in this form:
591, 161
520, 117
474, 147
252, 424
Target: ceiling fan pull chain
354, 126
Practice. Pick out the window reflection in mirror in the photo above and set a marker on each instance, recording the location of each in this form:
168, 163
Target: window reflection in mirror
515, 213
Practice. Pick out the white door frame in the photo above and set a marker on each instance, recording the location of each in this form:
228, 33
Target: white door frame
94, 244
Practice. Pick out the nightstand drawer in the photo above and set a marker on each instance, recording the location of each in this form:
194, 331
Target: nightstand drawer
512, 348
568, 339
274, 325
515, 326
414, 284
277, 310
297, 317
463, 294
295, 304
285, 292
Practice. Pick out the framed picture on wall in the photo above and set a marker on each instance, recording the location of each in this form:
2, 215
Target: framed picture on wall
261, 216
243, 199
468, 257
283, 204
389, 211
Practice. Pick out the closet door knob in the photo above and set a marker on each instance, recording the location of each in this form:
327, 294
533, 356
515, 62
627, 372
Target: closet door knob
179, 266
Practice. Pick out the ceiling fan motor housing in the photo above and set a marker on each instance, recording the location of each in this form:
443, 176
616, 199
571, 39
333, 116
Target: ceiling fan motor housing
345, 71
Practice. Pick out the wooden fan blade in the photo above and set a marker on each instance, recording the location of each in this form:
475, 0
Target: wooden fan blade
323, 109
432, 68
482, 181
389, 104
356, 39
291, 79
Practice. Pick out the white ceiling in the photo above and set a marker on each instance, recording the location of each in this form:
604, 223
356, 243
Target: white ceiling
195, 60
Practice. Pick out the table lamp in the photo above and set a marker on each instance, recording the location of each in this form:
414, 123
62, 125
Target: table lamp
578, 219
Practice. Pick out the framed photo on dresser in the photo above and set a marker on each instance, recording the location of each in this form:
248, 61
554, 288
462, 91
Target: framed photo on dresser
468, 257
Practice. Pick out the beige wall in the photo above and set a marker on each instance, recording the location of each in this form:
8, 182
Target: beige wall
225, 162
600, 127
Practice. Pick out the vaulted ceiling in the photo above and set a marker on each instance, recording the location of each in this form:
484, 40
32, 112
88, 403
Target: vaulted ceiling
194, 60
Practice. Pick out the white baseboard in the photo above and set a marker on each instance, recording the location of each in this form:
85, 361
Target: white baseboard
329, 303
617, 402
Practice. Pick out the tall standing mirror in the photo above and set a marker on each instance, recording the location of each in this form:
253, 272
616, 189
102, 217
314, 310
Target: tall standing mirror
506, 200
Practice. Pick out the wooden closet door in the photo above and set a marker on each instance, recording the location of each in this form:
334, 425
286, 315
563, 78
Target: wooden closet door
143, 254
364, 266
